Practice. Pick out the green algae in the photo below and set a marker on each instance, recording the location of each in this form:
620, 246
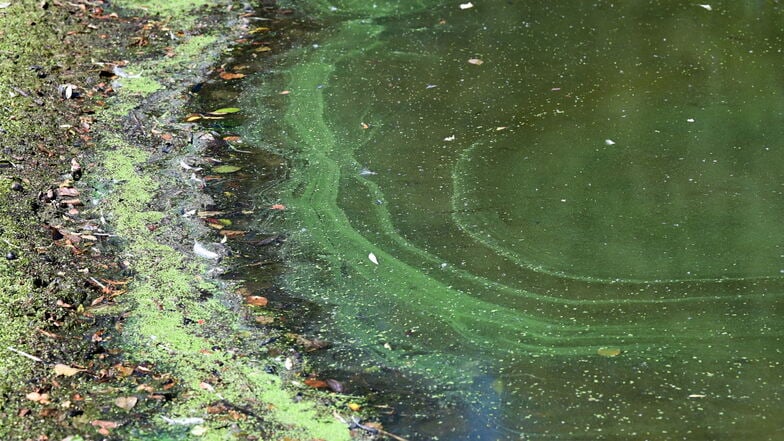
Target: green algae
455, 288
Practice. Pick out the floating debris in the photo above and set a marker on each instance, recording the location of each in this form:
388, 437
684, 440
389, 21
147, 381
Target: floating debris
203, 252
373, 258
706, 7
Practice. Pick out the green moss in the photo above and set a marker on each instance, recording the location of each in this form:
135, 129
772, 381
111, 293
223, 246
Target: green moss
178, 9
138, 85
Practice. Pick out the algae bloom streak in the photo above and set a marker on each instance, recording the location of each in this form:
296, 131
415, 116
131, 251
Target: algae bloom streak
573, 211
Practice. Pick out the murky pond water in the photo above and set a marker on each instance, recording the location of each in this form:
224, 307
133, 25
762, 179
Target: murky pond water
541, 219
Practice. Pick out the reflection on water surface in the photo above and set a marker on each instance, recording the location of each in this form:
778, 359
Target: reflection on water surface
576, 238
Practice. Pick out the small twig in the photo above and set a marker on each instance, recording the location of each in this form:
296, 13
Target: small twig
25, 354
103, 287
10, 244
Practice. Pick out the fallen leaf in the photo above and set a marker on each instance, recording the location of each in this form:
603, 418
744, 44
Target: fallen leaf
263, 49
225, 111
609, 352
193, 117
260, 29
38, 397
475, 61
226, 169
126, 403
317, 384
231, 75
231, 138
354, 406
279, 207
285, 92
256, 300
264, 320
104, 426
64, 369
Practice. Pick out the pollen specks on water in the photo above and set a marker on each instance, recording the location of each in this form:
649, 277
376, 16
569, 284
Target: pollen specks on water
577, 238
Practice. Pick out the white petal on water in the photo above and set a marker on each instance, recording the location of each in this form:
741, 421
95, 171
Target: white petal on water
373, 258
609, 142
706, 7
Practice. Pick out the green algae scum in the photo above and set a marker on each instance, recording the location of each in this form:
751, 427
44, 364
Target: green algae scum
541, 220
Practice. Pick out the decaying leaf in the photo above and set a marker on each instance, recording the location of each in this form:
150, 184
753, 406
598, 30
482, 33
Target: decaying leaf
256, 300
231, 75
126, 403
65, 370
315, 383
38, 397
104, 426
225, 169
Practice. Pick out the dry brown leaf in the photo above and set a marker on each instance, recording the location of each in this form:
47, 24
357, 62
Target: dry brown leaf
257, 300
231, 75
38, 397
64, 369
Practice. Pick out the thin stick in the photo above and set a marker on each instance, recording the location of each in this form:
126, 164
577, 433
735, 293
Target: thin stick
25, 354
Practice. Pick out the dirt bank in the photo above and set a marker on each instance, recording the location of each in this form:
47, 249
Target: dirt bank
114, 323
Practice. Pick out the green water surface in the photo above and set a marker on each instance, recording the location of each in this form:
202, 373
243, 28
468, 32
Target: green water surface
608, 178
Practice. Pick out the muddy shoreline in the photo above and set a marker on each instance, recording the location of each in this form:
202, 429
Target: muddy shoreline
117, 324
